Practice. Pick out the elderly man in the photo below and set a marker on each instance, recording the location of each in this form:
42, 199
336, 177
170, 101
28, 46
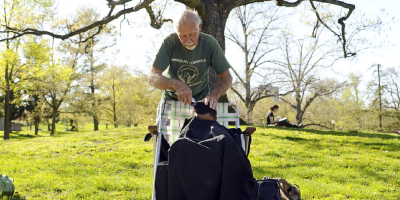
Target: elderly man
189, 54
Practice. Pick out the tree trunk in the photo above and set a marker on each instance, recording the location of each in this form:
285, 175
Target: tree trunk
36, 126
48, 124
249, 113
115, 121
96, 123
7, 123
130, 119
115, 115
7, 114
53, 123
299, 115
214, 20
114, 107
92, 89
380, 97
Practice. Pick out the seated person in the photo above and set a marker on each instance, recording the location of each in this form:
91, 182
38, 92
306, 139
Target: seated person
271, 122
207, 162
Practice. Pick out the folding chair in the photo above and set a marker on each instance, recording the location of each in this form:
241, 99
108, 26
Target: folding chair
172, 118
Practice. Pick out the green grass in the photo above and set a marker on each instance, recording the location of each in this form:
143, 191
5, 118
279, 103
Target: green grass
117, 164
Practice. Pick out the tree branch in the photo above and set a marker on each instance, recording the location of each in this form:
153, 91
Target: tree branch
290, 104
288, 4
105, 20
111, 10
117, 2
314, 124
156, 21
237, 75
196, 4
341, 20
239, 95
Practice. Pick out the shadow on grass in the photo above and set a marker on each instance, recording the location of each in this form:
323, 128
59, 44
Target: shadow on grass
25, 135
14, 197
372, 174
339, 133
391, 146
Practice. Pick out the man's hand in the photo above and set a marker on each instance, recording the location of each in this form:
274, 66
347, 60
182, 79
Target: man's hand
156, 79
225, 81
184, 93
211, 101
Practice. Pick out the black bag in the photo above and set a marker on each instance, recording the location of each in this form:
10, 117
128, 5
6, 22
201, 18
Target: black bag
277, 189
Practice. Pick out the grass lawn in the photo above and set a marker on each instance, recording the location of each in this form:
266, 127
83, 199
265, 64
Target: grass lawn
117, 164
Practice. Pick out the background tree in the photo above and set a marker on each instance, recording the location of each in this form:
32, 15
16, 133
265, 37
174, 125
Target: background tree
297, 69
352, 105
57, 78
17, 14
93, 64
391, 98
256, 39
376, 88
114, 78
392, 89
213, 13
37, 111
322, 111
138, 100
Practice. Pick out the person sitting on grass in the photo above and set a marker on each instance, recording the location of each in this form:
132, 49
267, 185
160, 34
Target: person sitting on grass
270, 121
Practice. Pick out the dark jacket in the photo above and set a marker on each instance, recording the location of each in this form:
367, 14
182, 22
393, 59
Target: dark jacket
206, 162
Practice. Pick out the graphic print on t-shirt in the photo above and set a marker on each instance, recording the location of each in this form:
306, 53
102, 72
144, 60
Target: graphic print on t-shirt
188, 74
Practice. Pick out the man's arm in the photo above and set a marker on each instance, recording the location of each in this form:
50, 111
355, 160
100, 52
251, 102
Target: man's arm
156, 79
225, 82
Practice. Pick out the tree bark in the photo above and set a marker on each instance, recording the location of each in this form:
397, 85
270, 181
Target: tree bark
94, 109
92, 89
114, 107
380, 97
53, 123
36, 126
96, 123
7, 122
214, 19
249, 113
299, 114
48, 124
7, 114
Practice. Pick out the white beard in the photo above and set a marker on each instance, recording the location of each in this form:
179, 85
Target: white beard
190, 48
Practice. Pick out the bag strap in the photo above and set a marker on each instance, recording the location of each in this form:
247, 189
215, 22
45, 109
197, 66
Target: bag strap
289, 193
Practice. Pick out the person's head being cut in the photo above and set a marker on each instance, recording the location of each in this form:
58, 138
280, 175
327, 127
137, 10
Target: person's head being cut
204, 112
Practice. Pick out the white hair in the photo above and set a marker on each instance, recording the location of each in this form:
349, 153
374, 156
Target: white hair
187, 16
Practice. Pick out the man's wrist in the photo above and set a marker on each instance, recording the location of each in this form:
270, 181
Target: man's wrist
176, 84
214, 95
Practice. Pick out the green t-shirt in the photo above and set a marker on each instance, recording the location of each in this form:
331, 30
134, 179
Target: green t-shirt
190, 67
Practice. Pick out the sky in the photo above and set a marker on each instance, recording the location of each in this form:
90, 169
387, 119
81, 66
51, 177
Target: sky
138, 42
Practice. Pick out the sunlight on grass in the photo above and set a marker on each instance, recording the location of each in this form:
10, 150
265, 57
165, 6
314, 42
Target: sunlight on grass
117, 164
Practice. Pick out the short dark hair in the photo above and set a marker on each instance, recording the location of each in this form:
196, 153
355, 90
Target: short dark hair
201, 108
